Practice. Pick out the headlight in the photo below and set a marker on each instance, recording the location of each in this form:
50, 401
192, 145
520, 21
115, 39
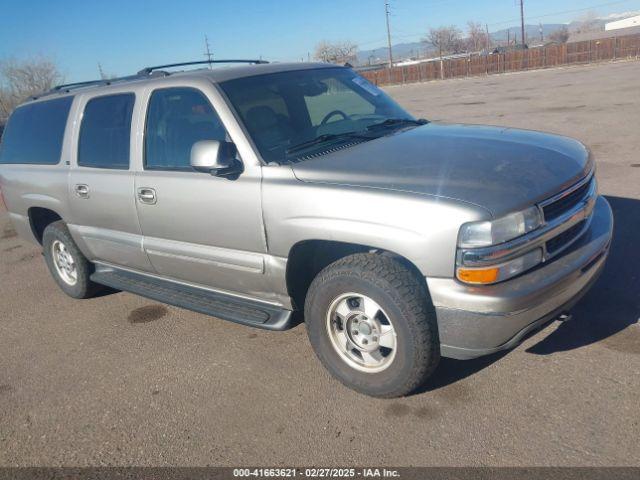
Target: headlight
494, 232
499, 273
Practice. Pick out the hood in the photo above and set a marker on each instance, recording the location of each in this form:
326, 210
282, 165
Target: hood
500, 169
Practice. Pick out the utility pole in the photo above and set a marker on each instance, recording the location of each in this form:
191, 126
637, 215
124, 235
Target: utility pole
541, 34
386, 11
207, 52
486, 26
522, 20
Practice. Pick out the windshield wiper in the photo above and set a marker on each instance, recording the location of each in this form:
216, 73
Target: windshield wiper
327, 137
395, 122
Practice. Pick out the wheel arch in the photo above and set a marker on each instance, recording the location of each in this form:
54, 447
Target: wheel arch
39, 219
307, 258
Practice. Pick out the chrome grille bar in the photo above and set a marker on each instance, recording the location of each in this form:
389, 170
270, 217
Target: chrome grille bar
581, 212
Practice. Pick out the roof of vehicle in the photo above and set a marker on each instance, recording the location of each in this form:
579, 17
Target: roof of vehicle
240, 71
216, 74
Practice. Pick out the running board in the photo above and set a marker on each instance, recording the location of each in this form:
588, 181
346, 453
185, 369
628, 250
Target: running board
219, 305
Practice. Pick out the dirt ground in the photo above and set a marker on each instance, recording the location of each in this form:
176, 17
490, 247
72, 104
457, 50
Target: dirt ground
121, 380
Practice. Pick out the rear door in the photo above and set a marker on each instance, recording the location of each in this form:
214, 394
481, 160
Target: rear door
101, 184
197, 228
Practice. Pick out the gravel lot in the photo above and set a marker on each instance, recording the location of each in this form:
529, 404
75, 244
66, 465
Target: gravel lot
121, 380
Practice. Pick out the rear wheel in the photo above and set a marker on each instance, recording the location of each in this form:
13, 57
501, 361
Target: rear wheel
68, 266
372, 325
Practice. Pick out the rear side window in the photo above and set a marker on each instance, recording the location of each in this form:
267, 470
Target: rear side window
35, 132
176, 119
106, 131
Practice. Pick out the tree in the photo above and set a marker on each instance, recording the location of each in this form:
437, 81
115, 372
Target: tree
589, 23
477, 36
104, 75
336, 52
20, 80
445, 39
560, 35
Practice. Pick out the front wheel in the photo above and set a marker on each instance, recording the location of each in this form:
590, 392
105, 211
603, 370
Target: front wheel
372, 325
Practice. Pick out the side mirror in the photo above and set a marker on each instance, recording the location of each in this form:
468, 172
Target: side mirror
215, 157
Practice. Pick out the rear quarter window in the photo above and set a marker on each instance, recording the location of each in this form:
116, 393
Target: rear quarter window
35, 132
105, 132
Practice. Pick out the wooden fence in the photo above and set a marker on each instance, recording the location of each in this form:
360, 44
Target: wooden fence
533, 58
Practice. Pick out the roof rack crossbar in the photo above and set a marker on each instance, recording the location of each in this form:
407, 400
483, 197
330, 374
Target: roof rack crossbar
148, 70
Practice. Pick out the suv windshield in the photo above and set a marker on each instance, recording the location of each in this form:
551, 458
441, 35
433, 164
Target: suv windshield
289, 114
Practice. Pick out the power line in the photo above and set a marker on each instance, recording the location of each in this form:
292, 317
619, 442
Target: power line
503, 22
563, 12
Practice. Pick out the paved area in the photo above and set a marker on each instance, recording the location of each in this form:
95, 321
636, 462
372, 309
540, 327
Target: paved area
121, 380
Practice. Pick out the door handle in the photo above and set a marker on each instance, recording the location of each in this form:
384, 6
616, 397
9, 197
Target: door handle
147, 195
82, 190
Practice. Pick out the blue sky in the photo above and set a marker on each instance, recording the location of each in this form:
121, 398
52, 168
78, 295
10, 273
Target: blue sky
127, 35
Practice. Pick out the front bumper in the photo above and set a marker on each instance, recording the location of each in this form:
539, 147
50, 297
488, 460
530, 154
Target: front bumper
479, 320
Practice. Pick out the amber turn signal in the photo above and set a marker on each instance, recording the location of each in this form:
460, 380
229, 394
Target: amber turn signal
479, 276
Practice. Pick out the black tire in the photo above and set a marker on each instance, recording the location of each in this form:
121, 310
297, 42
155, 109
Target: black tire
84, 287
404, 298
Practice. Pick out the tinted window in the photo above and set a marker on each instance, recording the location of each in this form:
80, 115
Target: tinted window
176, 119
106, 131
34, 133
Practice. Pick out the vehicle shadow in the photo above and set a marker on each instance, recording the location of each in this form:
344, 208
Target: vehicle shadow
104, 291
613, 304
451, 371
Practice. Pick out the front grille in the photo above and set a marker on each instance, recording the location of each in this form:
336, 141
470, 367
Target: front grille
566, 203
565, 238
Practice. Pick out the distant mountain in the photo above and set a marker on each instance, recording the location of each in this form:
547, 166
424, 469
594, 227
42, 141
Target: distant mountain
414, 49
400, 51
532, 32
407, 50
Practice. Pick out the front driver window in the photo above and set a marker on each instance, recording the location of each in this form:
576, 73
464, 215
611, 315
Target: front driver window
176, 119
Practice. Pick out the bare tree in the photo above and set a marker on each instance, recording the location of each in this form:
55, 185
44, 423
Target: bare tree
104, 75
560, 35
335, 52
589, 22
445, 39
20, 80
477, 36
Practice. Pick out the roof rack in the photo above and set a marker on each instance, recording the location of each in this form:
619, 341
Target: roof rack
148, 70
67, 87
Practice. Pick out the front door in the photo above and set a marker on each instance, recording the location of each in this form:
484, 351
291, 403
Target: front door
101, 185
197, 228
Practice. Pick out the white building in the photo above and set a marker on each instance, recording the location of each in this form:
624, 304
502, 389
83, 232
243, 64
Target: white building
624, 23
